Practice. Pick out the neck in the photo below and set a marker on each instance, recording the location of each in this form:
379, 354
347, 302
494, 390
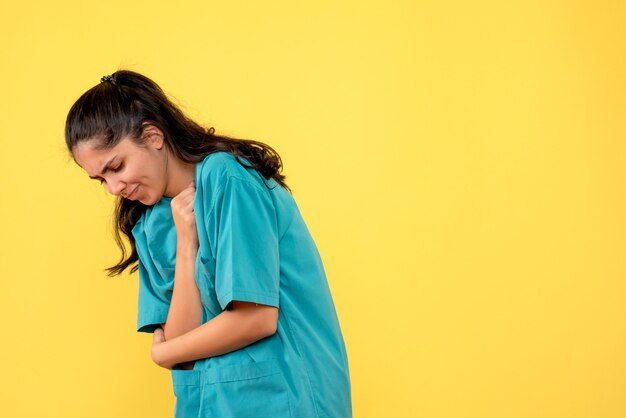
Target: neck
180, 175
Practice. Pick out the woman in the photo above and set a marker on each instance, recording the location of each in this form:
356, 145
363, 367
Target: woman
230, 280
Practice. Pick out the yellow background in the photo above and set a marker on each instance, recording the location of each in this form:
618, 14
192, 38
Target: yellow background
461, 166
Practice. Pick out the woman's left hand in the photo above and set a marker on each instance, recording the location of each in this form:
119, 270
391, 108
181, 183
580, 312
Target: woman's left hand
159, 349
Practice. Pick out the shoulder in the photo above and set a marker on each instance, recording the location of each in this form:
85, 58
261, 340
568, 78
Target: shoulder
221, 163
218, 168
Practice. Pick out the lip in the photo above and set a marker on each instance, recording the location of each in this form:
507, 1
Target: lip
133, 193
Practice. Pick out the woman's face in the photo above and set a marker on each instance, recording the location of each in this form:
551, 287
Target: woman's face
134, 172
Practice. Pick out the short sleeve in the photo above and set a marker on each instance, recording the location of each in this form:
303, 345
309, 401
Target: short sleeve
156, 251
152, 306
243, 225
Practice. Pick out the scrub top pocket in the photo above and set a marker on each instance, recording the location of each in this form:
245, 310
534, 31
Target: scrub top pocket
245, 391
187, 389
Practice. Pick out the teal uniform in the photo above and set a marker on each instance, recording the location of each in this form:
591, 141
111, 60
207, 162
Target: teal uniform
253, 246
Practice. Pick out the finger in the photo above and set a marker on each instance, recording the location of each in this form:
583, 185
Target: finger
159, 335
185, 206
187, 194
188, 200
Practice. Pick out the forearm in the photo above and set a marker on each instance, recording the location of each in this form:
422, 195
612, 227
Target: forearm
185, 312
228, 331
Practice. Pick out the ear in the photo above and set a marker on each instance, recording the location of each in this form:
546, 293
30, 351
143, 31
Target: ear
153, 136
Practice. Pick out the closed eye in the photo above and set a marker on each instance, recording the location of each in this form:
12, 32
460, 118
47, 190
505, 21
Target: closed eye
115, 170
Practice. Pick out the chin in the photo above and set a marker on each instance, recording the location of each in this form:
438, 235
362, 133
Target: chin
149, 201
145, 200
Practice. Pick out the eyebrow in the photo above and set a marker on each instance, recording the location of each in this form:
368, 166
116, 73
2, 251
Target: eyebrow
105, 168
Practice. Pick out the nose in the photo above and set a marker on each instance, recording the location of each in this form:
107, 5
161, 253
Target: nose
115, 186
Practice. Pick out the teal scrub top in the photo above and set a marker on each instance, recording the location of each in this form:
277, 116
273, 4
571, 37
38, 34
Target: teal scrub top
253, 246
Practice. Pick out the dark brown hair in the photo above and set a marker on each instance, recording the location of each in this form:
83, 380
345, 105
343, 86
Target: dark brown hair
119, 106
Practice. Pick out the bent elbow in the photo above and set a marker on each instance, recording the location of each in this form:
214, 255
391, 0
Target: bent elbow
270, 322
271, 329
261, 320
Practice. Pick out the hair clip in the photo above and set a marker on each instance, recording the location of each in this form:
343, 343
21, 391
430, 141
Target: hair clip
107, 78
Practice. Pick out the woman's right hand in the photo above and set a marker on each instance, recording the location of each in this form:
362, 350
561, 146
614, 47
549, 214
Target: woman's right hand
184, 217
